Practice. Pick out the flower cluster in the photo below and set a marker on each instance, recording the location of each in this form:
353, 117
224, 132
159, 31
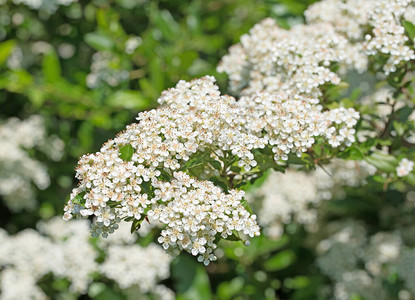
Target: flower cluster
297, 61
195, 119
199, 212
339, 174
359, 264
134, 265
353, 17
295, 195
64, 250
405, 167
132, 43
300, 60
388, 35
131, 265
291, 126
17, 168
49, 6
348, 17
285, 197
65, 253
106, 69
407, 268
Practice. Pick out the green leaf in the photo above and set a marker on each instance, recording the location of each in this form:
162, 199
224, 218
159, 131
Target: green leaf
37, 97
95, 289
356, 297
379, 179
79, 199
111, 203
146, 186
166, 24
234, 236
6, 49
266, 161
236, 169
410, 29
262, 245
191, 280
136, 225
108, 21
101, 291
126, 152
86, 136
399, 128
148, 89
305, 159
384, 162
219, 181
280, 260
51, 67
226, 290
165, 175
99, 41
298, 282
403, 113
192, 163
215, 164
355, 94
351, 153
246, 205
131, 100
156, 74
410, 178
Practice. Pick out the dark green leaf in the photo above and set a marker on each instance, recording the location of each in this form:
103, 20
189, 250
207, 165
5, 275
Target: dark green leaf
165, 175
136, 225
111, 203
191, 280
192, 163
352, 153
410, 29
146, 186
403, 113
219, 181
234, 236
216, 165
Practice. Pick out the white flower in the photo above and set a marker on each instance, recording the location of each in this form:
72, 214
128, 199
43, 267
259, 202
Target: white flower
296, 61
294, 196
65, 251
405, 167
18, 168
353, 17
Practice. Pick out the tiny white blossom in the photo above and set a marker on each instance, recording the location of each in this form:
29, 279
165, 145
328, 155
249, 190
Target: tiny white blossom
405, 167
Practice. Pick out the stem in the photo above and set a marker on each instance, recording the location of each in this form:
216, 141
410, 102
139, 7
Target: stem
389, 121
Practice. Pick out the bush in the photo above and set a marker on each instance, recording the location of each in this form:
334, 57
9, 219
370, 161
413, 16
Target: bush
300, 185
